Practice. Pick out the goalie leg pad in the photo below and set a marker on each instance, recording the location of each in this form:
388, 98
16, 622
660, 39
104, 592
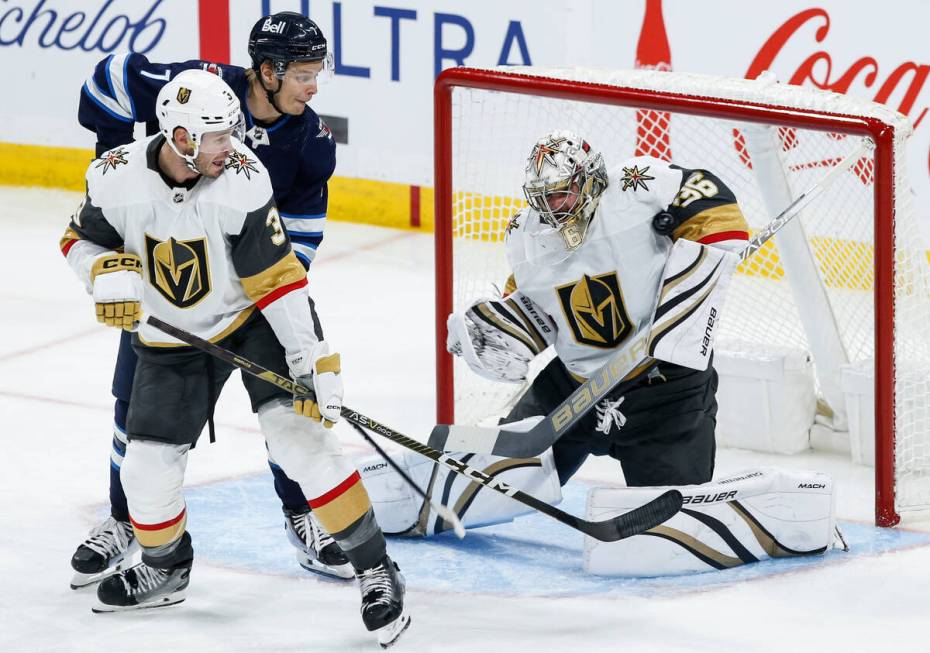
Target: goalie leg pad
400, 510
752, 516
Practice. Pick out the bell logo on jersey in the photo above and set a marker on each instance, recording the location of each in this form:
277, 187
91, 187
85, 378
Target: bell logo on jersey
594, 310
179, 269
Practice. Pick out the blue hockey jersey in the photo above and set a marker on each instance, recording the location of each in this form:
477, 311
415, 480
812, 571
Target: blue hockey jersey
298, 151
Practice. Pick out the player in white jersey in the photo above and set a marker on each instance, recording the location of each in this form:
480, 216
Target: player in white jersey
183, 226
588, 255
601, 260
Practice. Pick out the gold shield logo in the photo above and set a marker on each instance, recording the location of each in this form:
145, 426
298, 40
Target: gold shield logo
179, 269
594, 310
184, 94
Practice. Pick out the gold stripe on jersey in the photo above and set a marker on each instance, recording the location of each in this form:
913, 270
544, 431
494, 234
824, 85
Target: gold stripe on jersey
708, 222
235, 324
70, 236
286, 271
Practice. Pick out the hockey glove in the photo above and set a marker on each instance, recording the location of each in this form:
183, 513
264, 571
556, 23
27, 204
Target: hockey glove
117, 280
318, 370
498, 338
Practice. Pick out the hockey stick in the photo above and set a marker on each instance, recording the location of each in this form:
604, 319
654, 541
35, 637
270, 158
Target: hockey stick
625, 365
641, 519
444, 511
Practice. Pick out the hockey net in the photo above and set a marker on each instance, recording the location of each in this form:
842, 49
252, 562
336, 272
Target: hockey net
870, 268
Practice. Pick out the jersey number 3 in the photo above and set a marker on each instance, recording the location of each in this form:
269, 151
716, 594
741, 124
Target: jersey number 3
278, 236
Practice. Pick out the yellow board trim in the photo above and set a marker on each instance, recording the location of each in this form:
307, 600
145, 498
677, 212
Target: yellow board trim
388, 204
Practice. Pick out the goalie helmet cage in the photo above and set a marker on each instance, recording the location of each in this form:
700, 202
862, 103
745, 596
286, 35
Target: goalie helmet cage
859, 238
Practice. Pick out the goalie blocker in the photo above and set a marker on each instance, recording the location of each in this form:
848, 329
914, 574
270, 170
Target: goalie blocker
748, 517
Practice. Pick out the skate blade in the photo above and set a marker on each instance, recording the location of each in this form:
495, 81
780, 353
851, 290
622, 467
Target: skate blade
389, 634
172, 599
342, 572
120, 563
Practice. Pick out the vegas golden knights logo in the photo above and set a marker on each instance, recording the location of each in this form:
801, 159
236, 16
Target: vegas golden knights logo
184, 94
594, 310
179, 269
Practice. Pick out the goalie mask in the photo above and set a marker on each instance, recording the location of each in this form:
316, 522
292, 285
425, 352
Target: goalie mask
205, 106
564, 181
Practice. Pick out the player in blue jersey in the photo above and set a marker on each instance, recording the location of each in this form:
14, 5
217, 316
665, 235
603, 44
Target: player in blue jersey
289, 56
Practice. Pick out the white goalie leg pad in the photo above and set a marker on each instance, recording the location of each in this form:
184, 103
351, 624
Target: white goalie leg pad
400, 510
694, 287
152, 474
751, 516
498, 338
308, 453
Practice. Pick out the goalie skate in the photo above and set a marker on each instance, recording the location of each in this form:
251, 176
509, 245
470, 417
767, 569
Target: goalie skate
108, 549
317, 551
142, 587
383, 610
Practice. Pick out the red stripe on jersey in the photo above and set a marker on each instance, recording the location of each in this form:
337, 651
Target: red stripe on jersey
67, 247
277, 293
158, 527
724, 235
323, 499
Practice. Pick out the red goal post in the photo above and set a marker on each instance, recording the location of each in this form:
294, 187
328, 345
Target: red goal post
651, 100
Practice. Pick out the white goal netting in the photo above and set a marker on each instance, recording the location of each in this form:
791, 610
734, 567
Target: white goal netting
493, 132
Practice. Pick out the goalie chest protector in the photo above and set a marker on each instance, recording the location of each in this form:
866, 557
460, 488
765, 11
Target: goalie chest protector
601, 293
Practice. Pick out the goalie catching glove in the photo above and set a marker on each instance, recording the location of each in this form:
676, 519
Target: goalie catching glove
320, 371
498, 338
117, 282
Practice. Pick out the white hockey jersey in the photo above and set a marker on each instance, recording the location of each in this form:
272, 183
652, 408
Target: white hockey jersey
600, 294
211, 252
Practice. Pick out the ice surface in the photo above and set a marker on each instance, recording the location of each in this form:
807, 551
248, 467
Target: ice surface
516, 587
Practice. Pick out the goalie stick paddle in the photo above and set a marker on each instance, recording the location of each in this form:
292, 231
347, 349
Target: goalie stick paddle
624, 365
634, 522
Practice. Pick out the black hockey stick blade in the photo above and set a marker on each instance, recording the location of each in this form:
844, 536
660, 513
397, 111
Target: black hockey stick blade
637, 521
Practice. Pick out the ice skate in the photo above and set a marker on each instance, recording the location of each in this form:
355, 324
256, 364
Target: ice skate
142, 587
383, 611
108, 550
317, 551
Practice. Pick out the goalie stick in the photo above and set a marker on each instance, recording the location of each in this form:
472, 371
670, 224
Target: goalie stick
625, 365
634, 522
